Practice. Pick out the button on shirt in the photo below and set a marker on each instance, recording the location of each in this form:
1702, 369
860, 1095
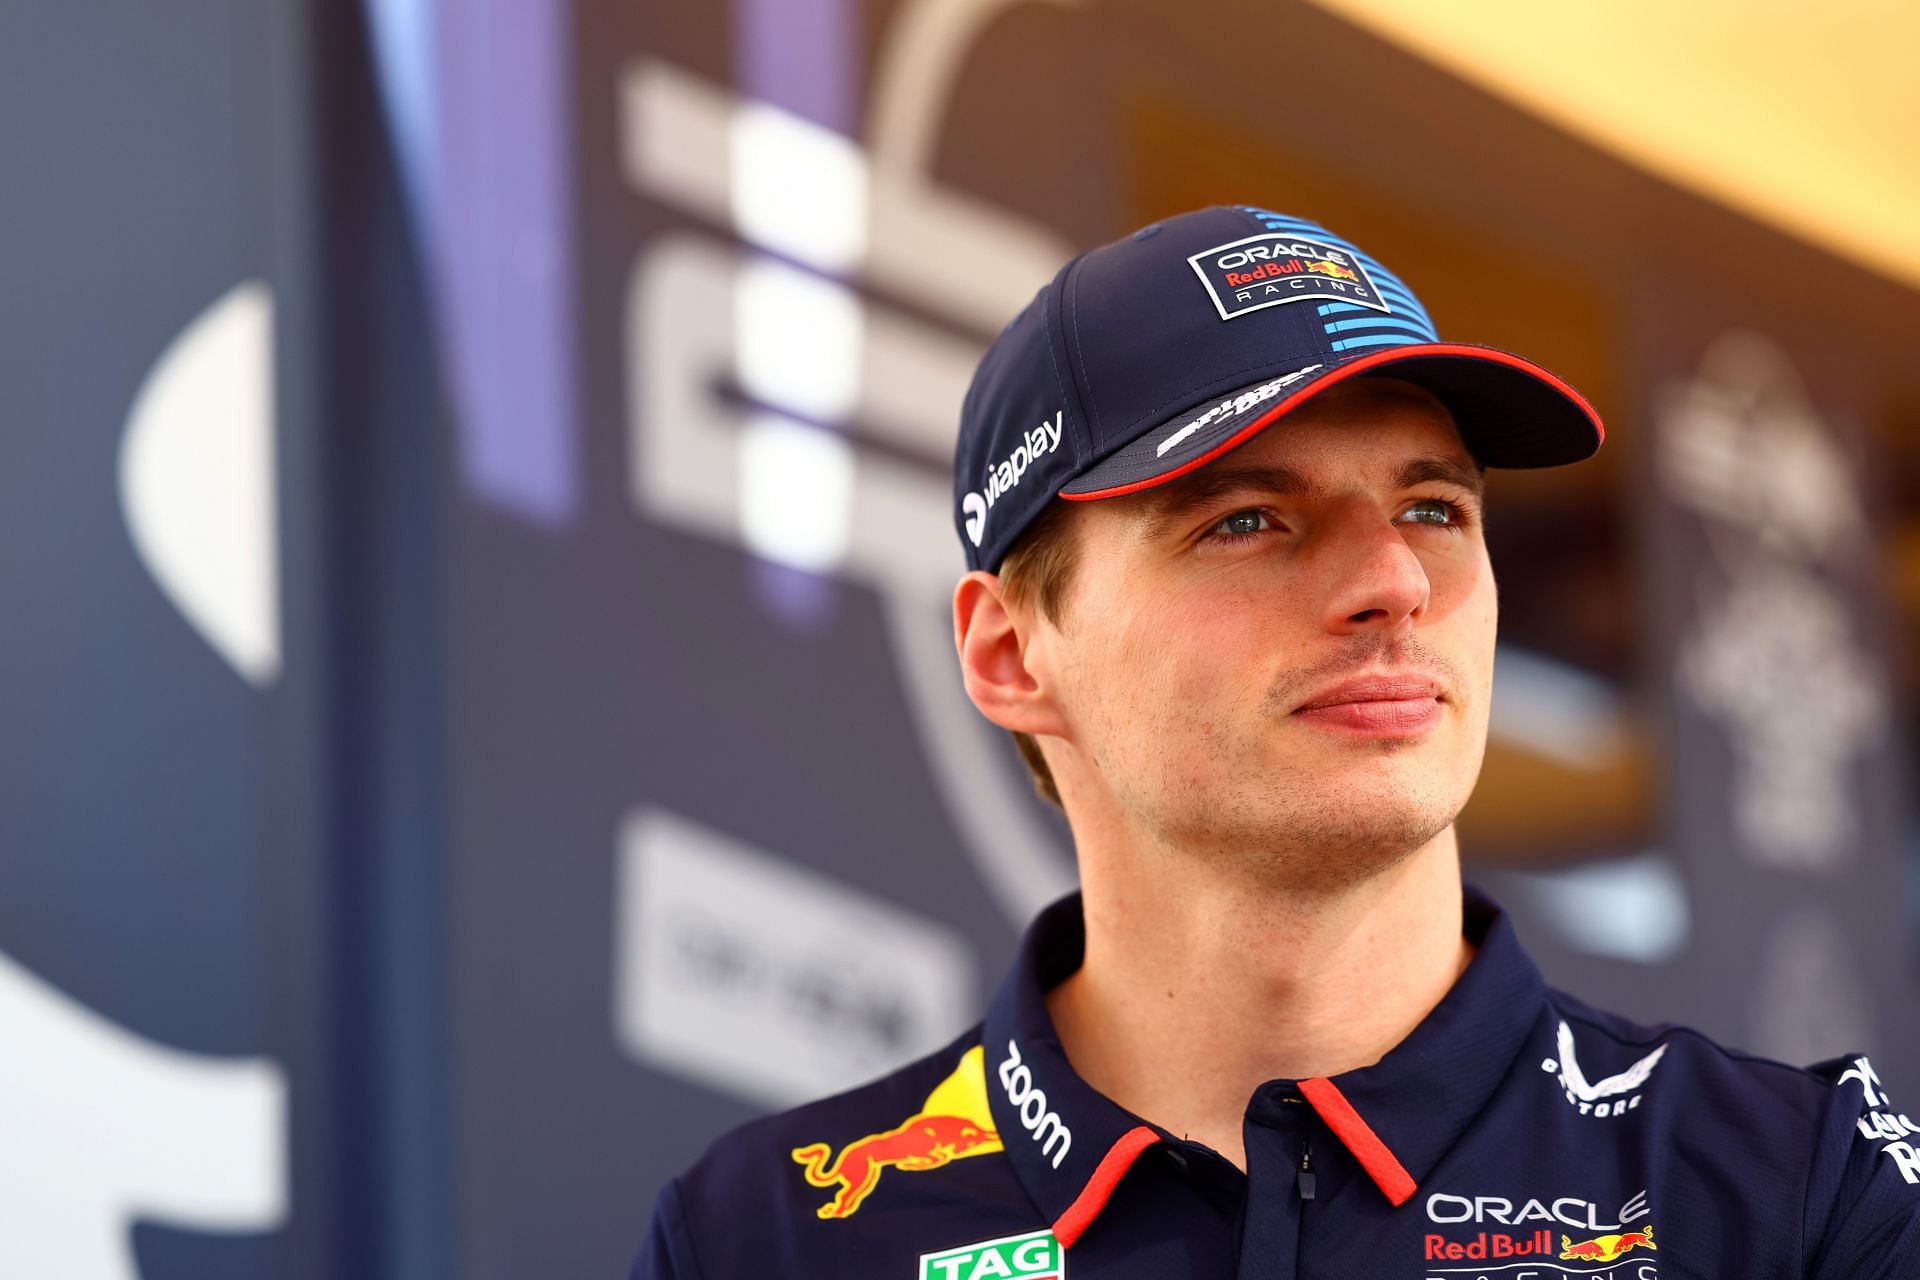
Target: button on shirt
1515, 1134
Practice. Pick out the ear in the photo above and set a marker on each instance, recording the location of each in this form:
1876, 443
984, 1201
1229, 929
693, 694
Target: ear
995, 644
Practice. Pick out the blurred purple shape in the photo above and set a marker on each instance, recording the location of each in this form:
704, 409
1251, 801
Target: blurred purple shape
479, 94
798, 55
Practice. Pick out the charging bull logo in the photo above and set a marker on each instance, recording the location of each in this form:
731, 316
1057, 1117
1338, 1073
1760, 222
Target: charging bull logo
953, 1124
1607, 1248
1335, 270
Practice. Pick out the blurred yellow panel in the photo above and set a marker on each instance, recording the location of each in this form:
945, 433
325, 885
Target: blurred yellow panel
1804, 117
1531, 810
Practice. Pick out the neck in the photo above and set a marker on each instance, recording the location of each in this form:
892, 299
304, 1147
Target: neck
1195, 991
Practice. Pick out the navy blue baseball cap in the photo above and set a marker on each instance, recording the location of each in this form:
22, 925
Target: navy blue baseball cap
1149, 357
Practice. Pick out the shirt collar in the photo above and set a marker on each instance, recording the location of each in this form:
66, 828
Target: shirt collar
1423, 1095
1070, 1145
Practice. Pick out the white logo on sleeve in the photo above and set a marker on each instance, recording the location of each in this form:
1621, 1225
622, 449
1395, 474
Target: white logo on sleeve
1895, 1131
1600, 1097
1043, 1125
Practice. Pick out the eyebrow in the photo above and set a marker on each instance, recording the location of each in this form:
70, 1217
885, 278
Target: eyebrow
1216, 482
1453, 471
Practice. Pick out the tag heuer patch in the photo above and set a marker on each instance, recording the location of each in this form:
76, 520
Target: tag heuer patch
1267, 270
1035, 1256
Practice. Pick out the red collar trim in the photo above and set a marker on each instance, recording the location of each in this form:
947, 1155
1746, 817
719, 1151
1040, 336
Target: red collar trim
1093, 1197
1358, 1136
1360, 1139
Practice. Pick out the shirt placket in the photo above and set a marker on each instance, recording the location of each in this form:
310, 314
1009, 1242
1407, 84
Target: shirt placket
1283, 1142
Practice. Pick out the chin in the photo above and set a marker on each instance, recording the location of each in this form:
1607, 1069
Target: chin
1337, 832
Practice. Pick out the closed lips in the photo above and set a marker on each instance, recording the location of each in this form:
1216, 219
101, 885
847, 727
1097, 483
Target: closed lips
1375, 689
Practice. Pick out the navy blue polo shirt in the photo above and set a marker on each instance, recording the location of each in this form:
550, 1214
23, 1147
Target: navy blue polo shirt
1516, 1134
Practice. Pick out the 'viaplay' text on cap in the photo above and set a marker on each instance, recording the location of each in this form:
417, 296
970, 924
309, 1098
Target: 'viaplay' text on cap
1149, 357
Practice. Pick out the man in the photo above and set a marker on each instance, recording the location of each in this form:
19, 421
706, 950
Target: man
1220, 490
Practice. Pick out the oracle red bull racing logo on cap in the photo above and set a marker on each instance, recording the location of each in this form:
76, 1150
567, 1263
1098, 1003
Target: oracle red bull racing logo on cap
954, 1123
1269, 270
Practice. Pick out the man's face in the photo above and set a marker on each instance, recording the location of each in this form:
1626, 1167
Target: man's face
1210, 625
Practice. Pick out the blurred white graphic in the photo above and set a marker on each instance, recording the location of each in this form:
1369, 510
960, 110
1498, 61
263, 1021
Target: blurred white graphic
100, 1128
749, 971
872, 504
1555, 710
1772, 653
1634, 908
197, 480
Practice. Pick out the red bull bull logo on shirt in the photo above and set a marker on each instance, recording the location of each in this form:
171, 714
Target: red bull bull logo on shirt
1607, 1248
954, 1123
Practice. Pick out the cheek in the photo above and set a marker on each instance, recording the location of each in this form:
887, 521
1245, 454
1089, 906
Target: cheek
1463, 592
1480, 614
1200, 665
1463, 620
1477, 618
1149, 654
1149, 667
1486, 605
1192, 639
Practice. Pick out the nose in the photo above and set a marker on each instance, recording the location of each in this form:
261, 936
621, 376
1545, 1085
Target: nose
1378, 583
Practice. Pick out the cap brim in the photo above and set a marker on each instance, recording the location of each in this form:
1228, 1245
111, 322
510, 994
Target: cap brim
1510, 411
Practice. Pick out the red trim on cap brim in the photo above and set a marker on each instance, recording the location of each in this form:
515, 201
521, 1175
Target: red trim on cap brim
1340, 373
1360, 1139
1093, 1197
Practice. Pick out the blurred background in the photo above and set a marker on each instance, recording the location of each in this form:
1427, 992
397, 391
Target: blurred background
477, 716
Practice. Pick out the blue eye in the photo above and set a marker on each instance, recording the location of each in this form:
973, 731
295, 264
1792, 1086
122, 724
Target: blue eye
1244, 522
1241, 524
1433, 511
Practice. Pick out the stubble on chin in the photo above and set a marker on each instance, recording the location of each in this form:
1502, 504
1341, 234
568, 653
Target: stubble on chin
1317, 823
1310, 840
1307, 830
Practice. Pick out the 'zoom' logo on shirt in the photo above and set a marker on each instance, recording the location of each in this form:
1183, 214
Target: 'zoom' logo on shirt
1031, 1102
